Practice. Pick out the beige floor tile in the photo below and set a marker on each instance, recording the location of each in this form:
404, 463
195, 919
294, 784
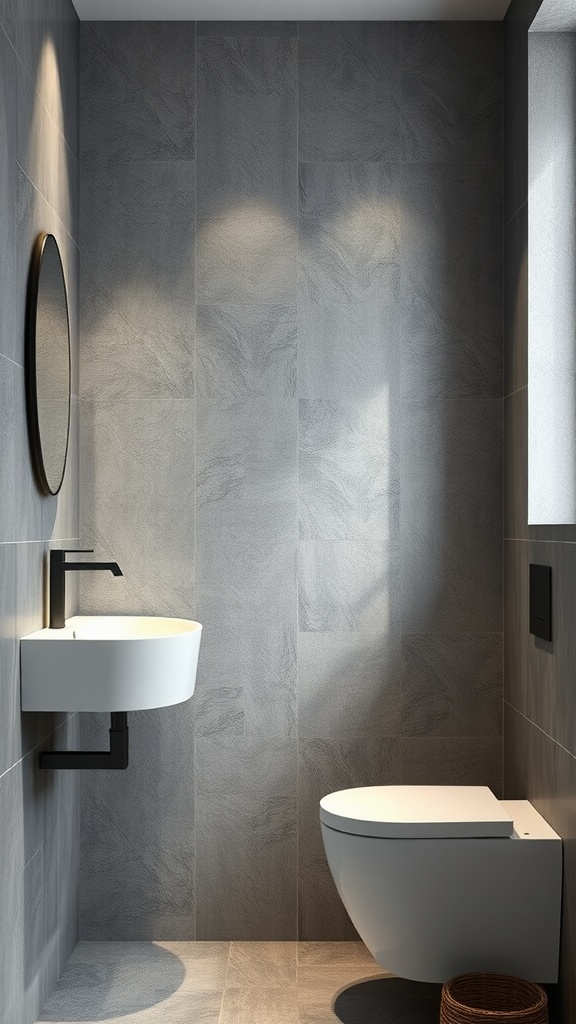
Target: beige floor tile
310, 953
259, 1006
204, 963
264, 964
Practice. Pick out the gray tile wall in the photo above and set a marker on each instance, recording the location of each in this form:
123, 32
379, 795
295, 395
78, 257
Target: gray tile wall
539, 735
39, 811
291, 430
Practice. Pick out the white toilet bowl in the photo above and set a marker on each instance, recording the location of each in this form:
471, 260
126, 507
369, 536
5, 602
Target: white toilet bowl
442, 880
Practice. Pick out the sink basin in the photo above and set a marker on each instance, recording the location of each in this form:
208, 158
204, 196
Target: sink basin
110, 663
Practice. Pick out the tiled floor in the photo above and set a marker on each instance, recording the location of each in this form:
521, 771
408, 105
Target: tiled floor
234, 983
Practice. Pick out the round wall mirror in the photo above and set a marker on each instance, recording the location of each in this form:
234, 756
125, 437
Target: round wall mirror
47, 364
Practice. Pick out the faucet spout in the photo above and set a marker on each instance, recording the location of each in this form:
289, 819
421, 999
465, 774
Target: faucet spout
58, 569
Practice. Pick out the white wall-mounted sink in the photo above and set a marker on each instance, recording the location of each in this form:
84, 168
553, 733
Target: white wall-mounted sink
110, 663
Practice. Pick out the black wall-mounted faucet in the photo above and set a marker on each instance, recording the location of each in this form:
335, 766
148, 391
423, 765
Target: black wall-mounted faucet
58, 569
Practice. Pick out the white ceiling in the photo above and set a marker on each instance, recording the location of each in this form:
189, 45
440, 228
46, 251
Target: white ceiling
291, 10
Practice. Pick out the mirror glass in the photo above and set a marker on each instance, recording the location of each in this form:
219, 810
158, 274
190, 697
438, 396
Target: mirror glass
48, 365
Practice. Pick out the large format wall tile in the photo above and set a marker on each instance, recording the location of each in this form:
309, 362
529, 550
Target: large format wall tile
349, 684
138, 865
450, 486
8, 334
348, 585
138, 506
349, 232
246, 351
120, 118
348, 469
138, 282
249, 642
349, 351
246, 838
451, 326
451, 91
452, 685
516, 302
349, 90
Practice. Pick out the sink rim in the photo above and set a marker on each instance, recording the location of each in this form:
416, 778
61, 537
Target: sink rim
84, 622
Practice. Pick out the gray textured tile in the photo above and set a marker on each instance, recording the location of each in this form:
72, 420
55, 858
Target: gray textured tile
10, 344
451, 323
516, 302
246, 856
138, 864
349, 90
9, 675
515, 83
46, 38
246, 351
451, 91
348, 470
321, 913
247, 254
348, 585
349, 232
257, 1005
149, 124
219, 711
516, 465
452, 761
11, 899
138, 301
245, 64
325, 766
349, 684
21, 518
452, 685
249, 639
450, 495
235, 766
348, 351
247, 451
137, 480
262, 964
56, 177
245, 543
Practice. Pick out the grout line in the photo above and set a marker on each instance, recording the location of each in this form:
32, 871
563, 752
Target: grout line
516, 212
49, 204
39, 744
546, 734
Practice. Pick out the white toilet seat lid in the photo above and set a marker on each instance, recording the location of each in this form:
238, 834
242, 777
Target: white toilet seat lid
417, 812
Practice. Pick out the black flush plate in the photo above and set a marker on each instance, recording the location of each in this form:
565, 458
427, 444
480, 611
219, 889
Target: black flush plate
541, 601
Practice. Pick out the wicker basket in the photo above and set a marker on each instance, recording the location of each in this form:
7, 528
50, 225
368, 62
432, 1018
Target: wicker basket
492, 999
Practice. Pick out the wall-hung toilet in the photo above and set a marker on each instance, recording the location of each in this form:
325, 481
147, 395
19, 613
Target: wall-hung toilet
442, 880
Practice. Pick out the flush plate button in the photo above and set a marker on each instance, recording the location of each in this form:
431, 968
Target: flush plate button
541, 601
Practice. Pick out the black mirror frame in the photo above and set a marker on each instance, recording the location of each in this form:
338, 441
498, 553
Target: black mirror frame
34, 437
